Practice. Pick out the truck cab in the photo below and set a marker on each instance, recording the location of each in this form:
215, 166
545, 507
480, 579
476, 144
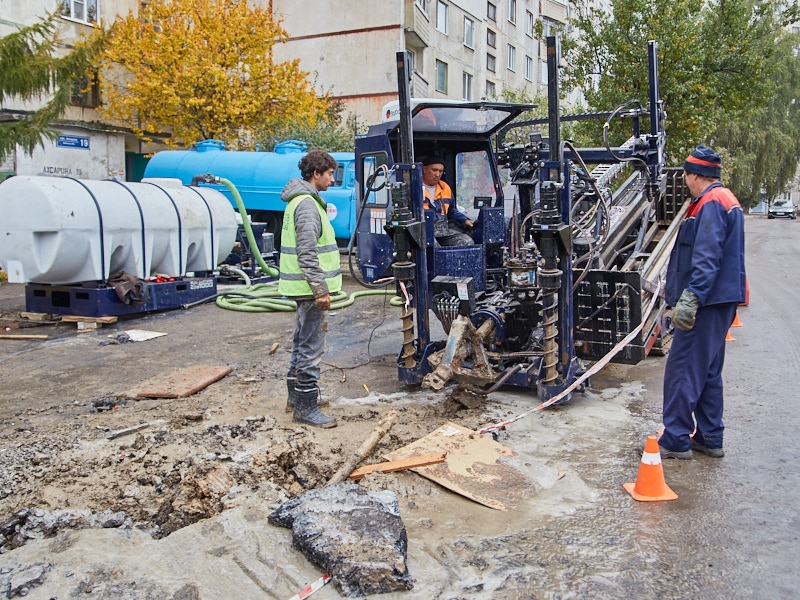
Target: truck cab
460, 133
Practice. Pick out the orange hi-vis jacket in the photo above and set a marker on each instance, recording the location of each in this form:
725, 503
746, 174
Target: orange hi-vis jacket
443, 204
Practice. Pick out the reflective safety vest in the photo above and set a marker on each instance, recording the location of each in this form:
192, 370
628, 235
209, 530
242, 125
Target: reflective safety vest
292, 282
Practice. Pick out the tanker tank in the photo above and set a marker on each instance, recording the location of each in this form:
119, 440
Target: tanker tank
59, 230
260, 177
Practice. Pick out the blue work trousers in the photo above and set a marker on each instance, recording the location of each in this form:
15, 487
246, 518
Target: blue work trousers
308, 345
693, 380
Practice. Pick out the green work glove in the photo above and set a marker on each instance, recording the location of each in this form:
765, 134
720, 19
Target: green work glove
685, 310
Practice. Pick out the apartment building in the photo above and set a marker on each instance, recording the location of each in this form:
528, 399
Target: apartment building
85, 148
460, 49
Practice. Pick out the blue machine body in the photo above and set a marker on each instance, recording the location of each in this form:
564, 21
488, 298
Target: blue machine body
260, 177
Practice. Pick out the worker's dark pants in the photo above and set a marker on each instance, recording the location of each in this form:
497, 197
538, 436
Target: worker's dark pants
307, 346
693, 380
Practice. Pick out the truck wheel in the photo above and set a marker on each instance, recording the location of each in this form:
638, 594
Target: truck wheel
273, 221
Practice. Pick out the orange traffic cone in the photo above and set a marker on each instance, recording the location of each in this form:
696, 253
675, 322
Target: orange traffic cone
729, 337
736, 321
650, 485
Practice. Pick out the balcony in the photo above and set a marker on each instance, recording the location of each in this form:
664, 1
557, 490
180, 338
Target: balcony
417, 26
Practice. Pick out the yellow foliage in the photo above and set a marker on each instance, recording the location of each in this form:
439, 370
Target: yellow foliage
202, 69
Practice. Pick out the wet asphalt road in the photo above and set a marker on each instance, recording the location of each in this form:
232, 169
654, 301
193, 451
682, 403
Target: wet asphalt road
734, 532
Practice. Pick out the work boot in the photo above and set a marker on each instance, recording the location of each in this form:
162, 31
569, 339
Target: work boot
306, 411
712, 452
680, 455
291, 397
667, 453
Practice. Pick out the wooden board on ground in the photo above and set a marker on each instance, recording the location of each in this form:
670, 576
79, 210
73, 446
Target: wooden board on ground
79, 319
400, 465
34, 316
476, 467
179, 383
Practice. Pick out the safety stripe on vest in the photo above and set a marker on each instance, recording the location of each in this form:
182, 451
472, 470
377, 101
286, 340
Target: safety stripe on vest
299, 276
320, 249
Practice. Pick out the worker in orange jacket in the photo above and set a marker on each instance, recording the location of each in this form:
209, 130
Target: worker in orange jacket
439, 198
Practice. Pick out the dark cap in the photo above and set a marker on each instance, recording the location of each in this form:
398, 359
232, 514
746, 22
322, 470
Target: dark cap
704, 162
432, 160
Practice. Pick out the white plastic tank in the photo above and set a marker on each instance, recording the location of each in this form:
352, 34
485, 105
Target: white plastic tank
61, 230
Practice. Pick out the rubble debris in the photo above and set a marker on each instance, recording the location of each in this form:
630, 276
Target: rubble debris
355, 536
127, 431
33, 524
108, 403
19, 582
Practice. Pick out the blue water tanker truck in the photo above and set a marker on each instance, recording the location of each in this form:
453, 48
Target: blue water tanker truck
260, 177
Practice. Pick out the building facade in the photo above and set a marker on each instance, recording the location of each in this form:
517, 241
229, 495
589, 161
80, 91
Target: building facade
85, 148
460, 49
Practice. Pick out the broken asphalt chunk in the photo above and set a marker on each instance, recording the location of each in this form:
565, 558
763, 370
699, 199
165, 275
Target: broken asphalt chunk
356, 536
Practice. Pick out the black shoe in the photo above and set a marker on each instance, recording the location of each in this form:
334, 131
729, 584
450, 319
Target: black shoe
666, 453
306, 411
712, 452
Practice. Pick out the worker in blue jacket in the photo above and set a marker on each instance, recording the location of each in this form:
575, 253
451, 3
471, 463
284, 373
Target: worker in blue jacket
705, 283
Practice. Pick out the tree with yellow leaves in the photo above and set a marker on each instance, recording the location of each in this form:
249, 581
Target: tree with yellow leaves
202, 69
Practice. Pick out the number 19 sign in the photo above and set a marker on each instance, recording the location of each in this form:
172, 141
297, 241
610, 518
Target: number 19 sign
73, 141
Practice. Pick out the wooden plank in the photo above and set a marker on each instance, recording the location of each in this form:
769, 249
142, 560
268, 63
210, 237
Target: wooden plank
33, 316
391, 466
479, 468
179, 383
21, 336
77, 319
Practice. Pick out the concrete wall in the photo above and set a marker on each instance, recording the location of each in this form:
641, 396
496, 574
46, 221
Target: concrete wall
103, 159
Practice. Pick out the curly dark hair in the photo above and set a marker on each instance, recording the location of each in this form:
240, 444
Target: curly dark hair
316, 160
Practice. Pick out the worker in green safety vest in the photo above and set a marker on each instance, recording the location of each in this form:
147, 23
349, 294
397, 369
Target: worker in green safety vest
310, 273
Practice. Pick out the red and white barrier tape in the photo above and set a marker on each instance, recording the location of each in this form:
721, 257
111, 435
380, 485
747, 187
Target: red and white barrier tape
594, 369
310, 589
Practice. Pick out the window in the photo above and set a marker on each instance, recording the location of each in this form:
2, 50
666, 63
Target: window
441, 16
86, 92
441, 76
80, 10
474, 177
491, 38
491, 11
491, 90
512, 58
512, 11
469, 33
423, 5
528, 23
528, 68
490, 63
466, 87
543, 72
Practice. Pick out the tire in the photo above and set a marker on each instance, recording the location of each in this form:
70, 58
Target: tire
274, 222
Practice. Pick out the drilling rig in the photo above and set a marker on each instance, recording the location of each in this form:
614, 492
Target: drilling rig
570, 244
